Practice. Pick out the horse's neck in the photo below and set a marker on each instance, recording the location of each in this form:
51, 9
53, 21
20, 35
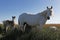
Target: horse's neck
42, 13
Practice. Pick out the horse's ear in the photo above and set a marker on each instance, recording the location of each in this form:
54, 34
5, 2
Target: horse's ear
47, 7
51, 7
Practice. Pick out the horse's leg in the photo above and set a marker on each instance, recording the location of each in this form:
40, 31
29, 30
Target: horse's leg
21, 26
24, 26
39, 28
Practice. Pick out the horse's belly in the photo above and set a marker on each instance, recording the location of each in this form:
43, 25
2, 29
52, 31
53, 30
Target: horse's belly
32, 24
31, 21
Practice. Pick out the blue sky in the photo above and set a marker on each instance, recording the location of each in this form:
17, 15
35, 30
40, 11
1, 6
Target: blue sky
9, 8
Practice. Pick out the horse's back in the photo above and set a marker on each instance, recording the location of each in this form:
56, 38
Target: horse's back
25, 16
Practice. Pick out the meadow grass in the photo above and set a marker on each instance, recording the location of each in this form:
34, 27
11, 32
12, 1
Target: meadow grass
45, 34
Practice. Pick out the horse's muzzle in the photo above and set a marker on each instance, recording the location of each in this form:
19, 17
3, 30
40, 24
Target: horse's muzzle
48, 17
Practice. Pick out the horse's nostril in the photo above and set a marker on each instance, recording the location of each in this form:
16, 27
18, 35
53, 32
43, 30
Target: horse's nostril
48, 17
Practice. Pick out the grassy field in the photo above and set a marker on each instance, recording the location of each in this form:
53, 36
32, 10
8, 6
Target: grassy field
45, 34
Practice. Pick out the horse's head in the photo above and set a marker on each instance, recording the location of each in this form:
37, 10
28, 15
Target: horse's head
48, 12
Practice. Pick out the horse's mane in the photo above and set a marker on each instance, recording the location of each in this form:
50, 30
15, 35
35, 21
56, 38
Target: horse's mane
42, 12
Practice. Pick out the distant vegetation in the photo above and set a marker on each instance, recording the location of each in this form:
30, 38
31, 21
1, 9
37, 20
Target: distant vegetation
47, 25
45, 34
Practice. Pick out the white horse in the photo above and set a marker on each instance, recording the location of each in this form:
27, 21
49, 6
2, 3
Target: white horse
38, 19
